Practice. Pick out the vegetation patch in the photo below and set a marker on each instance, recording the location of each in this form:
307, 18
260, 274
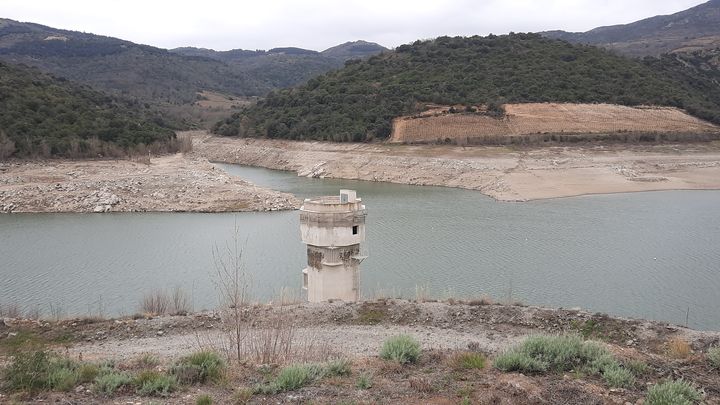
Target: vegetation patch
637, 367
539, 354
364, 381
199, 367
299, 375
371, 315
678, 348
204, 399
40, 370
468, 361
153, 383
673, 393
108, 383
714, 357
402, 349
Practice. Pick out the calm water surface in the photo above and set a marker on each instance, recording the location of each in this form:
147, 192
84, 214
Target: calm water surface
646, 255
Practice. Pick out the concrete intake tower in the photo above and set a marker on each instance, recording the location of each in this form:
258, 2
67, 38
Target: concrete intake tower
333, 227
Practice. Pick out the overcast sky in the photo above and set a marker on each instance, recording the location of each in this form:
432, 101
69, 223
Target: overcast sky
319, 24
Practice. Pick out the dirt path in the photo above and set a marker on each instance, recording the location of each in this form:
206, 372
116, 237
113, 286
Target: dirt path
506, 174
358, 329
167, 183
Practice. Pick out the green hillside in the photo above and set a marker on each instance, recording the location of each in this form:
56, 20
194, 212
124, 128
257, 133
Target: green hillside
44, 116
359, 101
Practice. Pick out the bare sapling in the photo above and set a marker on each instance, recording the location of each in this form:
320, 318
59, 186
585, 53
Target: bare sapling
233, 285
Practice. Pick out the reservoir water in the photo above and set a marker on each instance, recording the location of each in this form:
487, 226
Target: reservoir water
649, 255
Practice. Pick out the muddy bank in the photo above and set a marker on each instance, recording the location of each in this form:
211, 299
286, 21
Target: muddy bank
167, 183
506, 174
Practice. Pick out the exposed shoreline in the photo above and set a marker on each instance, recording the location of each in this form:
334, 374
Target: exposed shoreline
172, 183
505, 174
190, 183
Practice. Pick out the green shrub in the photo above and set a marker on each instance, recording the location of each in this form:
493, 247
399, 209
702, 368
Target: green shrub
617, 377
337, 367
110, 382
241, 396
538, 354
672, 393
62, 378
637, 367
87, 372
517, 360
294, 377
401, 348
204, 399
468, 361
28, 371
714, 356
364, 381
149, 383
147, 360
199, 367
299, 375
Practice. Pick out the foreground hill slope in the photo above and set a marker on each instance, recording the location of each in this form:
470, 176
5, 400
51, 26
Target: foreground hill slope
692, 29
42, 115
360, 101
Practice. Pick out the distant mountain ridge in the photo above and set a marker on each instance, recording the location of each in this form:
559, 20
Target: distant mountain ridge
693, 29
287, 66
342, 52
158, 75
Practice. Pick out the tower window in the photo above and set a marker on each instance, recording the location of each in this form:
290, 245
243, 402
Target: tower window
355, 229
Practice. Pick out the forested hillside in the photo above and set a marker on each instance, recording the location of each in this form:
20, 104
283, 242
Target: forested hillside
359, 101
44, 116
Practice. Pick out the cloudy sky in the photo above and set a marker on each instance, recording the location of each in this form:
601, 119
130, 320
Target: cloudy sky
319, 24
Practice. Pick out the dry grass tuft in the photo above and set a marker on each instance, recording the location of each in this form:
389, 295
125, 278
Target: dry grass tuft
484, 300
10, 311
155, 303
678, 348
422, 293
422, 385
159, 302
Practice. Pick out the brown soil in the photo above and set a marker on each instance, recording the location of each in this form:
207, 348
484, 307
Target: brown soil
504, 173
168, 183
356, 331
547, 118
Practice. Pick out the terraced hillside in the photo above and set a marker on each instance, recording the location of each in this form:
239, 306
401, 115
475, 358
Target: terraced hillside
533, 122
